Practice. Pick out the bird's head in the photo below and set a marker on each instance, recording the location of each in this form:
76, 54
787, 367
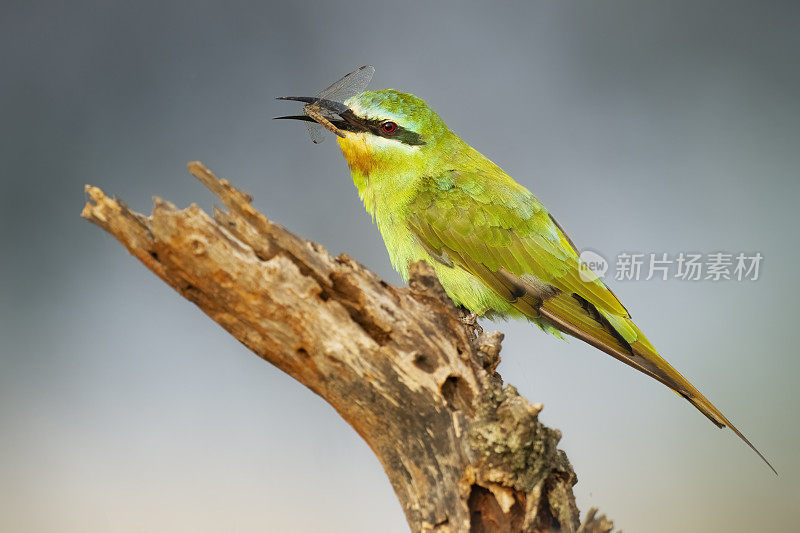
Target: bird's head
384, 130
388, 128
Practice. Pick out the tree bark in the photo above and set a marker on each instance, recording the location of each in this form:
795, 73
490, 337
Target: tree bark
402, 366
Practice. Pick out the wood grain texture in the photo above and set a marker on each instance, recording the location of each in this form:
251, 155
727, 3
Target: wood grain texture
463, 451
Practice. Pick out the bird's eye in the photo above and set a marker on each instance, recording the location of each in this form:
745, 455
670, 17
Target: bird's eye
389, 127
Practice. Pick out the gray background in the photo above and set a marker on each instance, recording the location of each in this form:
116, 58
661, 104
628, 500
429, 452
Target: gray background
644, 126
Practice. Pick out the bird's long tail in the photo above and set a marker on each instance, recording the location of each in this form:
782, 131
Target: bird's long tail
619, 337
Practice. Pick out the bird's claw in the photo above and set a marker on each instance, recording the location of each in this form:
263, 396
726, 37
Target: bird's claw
471, 320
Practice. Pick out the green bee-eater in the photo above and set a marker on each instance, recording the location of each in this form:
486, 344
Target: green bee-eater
495, 248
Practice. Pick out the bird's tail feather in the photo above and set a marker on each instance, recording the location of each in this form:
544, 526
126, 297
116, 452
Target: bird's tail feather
619, 337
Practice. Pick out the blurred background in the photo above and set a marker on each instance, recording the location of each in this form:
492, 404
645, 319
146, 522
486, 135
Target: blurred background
643, 126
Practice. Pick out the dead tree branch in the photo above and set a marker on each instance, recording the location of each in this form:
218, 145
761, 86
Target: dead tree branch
462, 451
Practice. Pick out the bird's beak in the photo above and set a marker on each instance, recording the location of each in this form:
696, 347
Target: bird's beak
330, 105
348, 121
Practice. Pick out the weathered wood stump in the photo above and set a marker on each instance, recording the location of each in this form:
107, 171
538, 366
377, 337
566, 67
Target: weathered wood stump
462, 451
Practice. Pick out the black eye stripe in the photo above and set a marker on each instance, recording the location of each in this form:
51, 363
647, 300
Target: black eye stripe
351, 122
401, 134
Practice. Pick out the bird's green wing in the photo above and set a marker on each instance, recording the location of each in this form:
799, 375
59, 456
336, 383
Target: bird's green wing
499, 232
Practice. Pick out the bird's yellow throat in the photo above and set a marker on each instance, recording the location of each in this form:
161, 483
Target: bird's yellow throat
357, 152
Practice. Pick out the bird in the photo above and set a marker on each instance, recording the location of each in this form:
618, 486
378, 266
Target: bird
497, 251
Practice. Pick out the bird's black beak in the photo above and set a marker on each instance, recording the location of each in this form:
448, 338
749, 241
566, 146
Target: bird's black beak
347, 122
330, 105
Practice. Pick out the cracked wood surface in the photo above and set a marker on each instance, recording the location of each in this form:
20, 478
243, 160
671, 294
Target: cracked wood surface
463, 452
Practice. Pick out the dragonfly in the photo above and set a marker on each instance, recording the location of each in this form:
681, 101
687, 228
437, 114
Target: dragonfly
319, 111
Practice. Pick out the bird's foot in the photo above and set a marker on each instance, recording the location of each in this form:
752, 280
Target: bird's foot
471, 320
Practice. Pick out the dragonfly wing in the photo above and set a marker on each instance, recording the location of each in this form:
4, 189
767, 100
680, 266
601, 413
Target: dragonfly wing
349, 85
316, 132
346, 87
